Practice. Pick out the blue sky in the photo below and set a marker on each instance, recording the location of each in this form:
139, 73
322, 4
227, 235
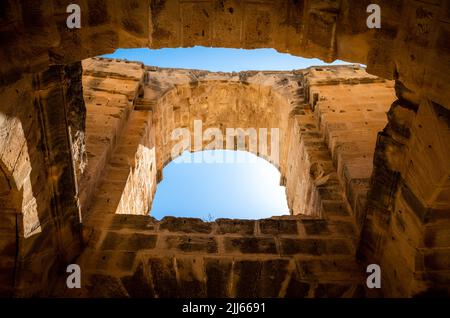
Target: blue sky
240, 190
217, 59
246, 189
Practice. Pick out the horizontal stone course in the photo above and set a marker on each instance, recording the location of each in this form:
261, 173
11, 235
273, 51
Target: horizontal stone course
250, 245
315, 227
314, 247
277, 227
128, 242
218, 275
133, 222
187, 225
190, 243
229, 226
328, 268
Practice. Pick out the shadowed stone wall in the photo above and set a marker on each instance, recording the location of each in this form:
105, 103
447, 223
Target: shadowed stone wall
39, 211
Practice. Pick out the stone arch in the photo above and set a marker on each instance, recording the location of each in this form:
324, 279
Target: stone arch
218, 104
312, 95
222, 105
174, 100
247, 116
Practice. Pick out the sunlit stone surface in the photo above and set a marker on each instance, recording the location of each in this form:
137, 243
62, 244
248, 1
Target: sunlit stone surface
65, 164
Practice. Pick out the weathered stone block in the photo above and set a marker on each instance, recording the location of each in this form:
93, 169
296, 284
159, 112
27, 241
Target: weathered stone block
112, 261
133, 222
338, 246
437, 235
343, 228
187, 225
343, 269
315, 227
330, 193
291, 246
163, 277
246, 274
191, 243
218, 275
297, 288
191, 273
100, 285
277, 227
273, 274
333, 291
250, 245
128, 242
243, 227
138, 285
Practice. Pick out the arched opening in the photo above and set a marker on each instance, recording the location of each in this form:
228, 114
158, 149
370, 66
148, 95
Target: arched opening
175, 110
409, 184
219, 59
231, 113
297, 113
215, 184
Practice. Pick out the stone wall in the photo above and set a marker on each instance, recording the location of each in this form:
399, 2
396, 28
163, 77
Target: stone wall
129, 178
314, 256
333, 117
406, 228
39, 212
110, 90
130, 113
137, 256
350, 109
177, 98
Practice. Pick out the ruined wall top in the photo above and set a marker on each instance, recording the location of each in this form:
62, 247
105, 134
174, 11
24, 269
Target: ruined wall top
317, 75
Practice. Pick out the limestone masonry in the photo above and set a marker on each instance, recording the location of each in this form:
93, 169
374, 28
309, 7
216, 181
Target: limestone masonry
329, 119
364, 153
